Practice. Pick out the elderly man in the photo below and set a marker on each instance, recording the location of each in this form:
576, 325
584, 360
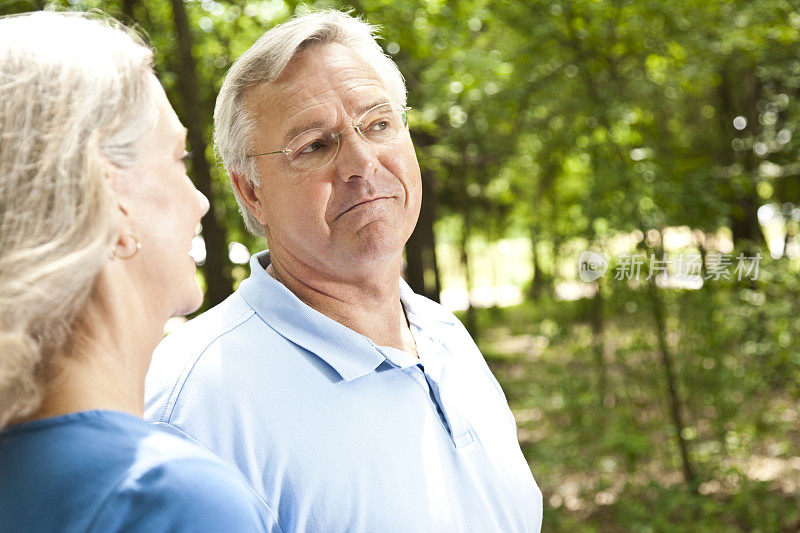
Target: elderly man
349, 402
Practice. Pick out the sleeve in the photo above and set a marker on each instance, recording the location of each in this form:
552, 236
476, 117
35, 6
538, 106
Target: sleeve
190, 495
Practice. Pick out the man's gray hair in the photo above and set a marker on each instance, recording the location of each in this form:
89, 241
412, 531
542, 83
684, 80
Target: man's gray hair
264, 62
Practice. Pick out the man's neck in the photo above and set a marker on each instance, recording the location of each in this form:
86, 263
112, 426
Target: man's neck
370, 305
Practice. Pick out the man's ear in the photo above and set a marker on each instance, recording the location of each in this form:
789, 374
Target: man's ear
247, 192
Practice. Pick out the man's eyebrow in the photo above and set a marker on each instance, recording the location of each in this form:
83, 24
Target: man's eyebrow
364, 108
294, 132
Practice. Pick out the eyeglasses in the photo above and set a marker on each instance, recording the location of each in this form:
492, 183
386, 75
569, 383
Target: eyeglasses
316, 148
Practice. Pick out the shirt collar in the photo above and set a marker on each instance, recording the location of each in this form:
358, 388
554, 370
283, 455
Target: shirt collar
421, 311
350, 354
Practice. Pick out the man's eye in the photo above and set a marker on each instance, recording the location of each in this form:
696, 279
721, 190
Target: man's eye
314, 146
380, 124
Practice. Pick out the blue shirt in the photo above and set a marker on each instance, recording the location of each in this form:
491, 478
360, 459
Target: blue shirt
109, 471
336, 433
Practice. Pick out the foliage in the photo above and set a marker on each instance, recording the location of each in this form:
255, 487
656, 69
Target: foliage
612, 465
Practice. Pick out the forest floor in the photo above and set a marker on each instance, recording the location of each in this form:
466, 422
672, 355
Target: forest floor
613, 465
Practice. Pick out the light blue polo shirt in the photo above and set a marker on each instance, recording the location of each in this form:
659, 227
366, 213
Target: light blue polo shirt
336, 433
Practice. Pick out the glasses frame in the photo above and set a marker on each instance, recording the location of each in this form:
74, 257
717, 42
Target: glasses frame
355, 125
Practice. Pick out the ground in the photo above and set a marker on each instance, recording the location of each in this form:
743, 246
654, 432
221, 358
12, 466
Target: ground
613, 465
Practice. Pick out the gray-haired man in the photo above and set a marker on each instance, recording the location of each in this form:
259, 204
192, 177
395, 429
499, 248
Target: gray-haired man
349, 402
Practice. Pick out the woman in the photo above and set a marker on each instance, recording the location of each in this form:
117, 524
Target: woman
96, 221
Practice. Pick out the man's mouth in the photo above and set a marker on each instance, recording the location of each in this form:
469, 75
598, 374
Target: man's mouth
363, 202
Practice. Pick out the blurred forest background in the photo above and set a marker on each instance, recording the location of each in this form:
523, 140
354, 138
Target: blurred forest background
659, 134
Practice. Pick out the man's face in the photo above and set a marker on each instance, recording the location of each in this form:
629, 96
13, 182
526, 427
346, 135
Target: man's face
359, 210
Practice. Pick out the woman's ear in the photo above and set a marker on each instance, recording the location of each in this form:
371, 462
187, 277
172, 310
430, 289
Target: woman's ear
123, 212
120, 182
126, 245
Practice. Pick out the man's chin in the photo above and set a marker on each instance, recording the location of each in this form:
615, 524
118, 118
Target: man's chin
374, 250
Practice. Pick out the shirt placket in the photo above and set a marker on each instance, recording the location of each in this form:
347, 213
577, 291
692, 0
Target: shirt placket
436, 372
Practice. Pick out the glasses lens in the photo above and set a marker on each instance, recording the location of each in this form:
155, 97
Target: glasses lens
381, 124
312, 149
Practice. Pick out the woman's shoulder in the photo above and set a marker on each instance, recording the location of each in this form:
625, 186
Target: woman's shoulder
112, 471
174, 484
188, 494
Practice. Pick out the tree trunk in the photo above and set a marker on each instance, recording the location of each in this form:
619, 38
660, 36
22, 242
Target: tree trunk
744, 225
422, 272
536, 282
541, 284
128, 7
598, 347
216, 269
675, 404
471, 324
701, 245
740, 97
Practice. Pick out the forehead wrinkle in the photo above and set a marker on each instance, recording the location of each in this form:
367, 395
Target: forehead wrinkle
353, 97
300, 105
339, 86
295, 94
294, 132
308, 71
294, 110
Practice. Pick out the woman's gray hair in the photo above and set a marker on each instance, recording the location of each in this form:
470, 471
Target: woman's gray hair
264, 62
75, 99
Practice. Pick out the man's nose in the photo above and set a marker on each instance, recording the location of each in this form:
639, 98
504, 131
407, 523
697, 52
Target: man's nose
357, 157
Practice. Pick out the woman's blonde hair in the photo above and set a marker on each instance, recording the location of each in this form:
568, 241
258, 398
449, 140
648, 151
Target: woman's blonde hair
75, 99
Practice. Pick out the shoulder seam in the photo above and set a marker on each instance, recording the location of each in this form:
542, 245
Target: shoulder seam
169, 405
